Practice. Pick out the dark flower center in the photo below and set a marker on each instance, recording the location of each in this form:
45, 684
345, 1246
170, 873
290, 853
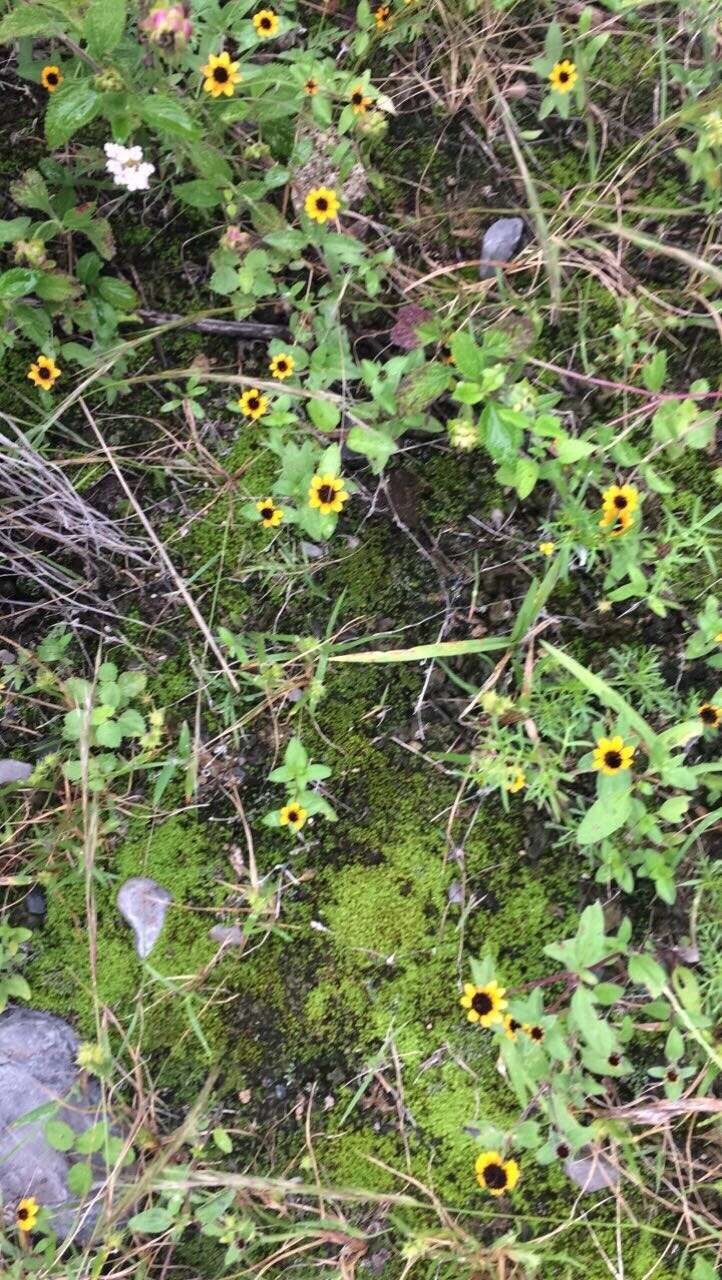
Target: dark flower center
44, 371
327, 493
537, 1033
620, 502
253, 403
708, 715
495, 1176
357, 98
281, 366
672, 1075
220, 74
23, 1214
322, 204
311, 86
563, 77
266, 512
52, 77
614, 1059
514, 1025
562, 1150
613, 760
482, 1003
265, 23
293, 815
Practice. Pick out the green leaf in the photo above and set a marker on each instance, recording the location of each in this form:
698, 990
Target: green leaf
109, 734
469, 359
223, 1141
375, 445
28, 20
17, 987
324, 414
16, 283
96, 230
56, 286
571, 450
131, 723
118, 294
80, 1179
151, 1221
601, 690
198, 193
12, 229
674, 809
420, 652
167, 115
59, 1135
30, 192
645, 972
73, 106
423, 386
603, 818
92, 1139
104, 25
526, 474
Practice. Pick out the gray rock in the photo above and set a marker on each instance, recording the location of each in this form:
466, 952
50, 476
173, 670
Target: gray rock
14, 771
500, 243
143, 903
37, 1068
593, 1172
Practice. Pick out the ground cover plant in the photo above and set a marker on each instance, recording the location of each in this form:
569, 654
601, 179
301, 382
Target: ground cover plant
361, 642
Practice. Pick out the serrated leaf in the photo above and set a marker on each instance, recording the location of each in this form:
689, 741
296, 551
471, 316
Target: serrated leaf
167, 115
73, 106
104, 25
28, 20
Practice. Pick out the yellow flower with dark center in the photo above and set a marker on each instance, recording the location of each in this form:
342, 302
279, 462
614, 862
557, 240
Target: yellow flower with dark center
327, 494
44, 372
253, 404
447, 355
534, 1031
270, 514
622, 523
511, 1026
282, 366
547, 548
563, 76
321, 204
293, 816
495, 1174
517, 782
618, 499
222, 75
710, 715
266, 23
51, 78
382, 18
611, 756
26, 1214
483, 1004
359, 101
311, 86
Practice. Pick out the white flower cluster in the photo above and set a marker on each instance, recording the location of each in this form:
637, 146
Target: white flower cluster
128, 167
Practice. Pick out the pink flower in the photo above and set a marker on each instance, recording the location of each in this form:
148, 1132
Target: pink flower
169, 27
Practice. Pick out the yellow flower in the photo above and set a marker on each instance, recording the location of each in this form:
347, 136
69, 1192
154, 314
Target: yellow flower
293, 816
221, 74
270, 514
447, 355
547, 548
534, 1032
511, 1026
710, 715
327, 493
622, 523
51, 78
359, 102
44, 372
266, 23
311, 86
484, 1004
563, 76
321, 204
253, 404
382, 18
517, 782
718, 638
26, 1214
494, 1174
282, 366
619, 499
611, 756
